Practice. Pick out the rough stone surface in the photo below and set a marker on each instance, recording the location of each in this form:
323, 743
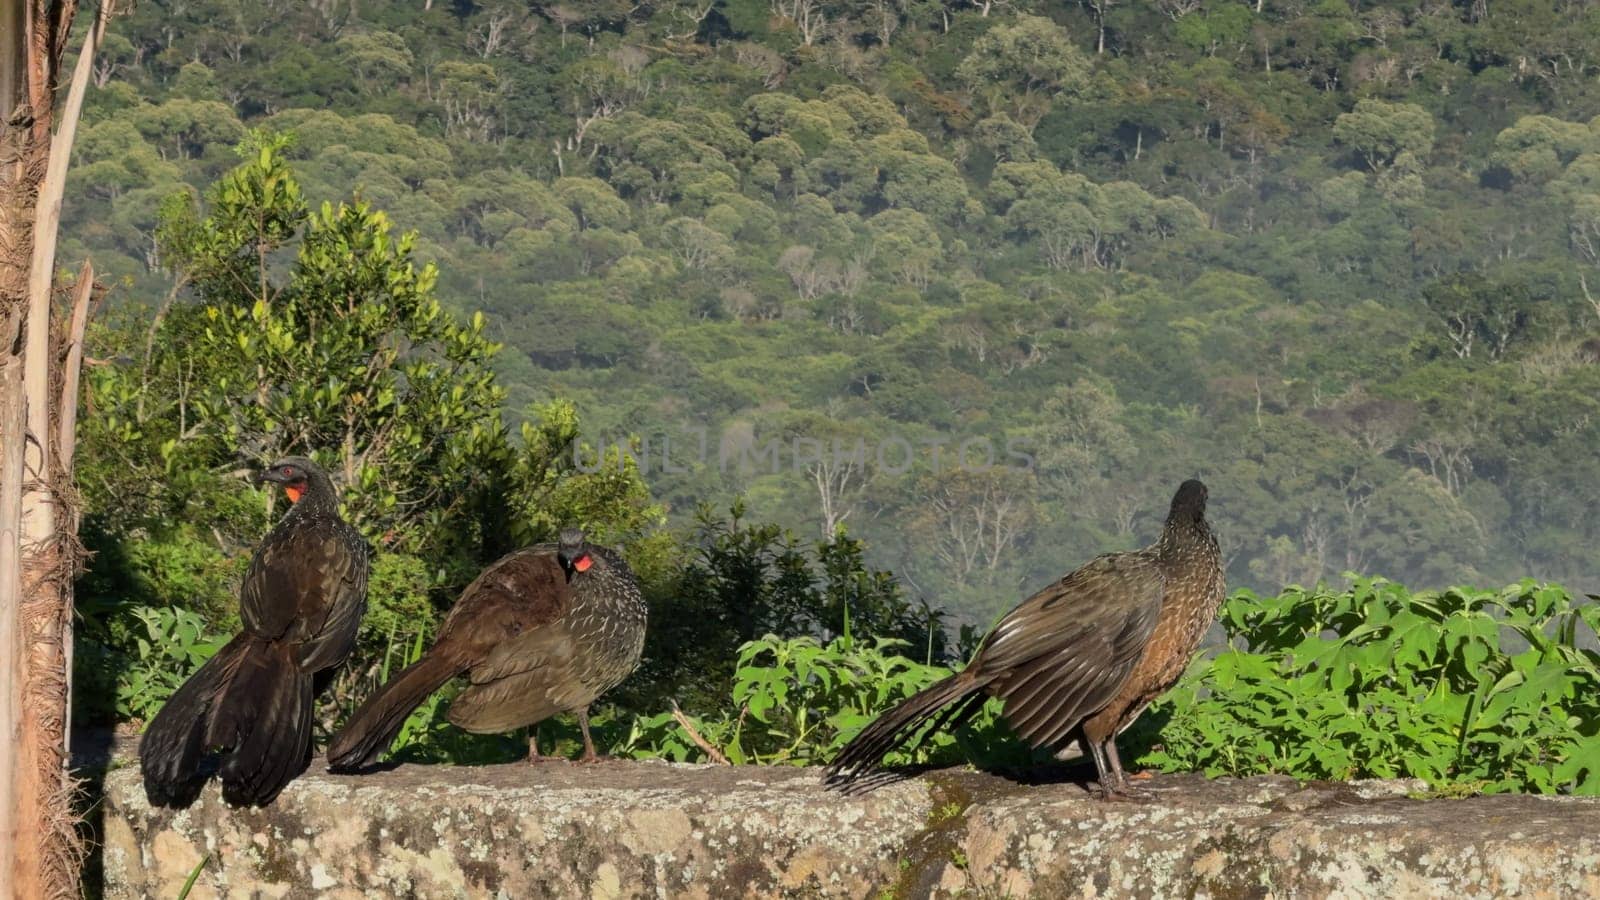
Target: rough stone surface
621, 829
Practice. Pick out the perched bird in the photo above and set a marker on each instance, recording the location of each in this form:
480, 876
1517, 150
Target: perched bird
301, 601
1082, 658
544, 630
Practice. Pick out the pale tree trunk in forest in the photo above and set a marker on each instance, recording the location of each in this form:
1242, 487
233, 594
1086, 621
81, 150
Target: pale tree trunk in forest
39, 853
838, 480
1583, 282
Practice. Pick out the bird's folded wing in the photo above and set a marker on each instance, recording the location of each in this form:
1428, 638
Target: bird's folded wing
337, 635
517, 593
297, 579
523, 680
1064, 652
515, 700
544, 647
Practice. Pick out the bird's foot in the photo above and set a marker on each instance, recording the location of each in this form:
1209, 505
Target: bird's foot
589, 759
1122, 794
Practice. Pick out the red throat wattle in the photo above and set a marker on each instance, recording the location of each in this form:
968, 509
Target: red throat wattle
582, 563
294, 491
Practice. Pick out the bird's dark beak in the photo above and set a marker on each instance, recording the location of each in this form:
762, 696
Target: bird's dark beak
269, 476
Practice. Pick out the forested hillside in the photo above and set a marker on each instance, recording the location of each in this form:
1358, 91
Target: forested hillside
1337, 259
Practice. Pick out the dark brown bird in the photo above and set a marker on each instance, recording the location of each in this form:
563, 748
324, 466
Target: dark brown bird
1082, 658
301, 601
544, 630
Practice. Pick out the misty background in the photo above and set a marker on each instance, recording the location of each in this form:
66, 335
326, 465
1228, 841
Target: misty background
1338, 260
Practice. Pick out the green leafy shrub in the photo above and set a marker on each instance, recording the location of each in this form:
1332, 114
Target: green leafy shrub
312, 330
1472, 689
166, 646
797, 701
741, 580
1467, 690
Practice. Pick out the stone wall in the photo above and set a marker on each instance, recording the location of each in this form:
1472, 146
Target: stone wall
624, 829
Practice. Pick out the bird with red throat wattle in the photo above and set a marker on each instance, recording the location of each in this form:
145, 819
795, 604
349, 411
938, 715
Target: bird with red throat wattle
248, 709
544, 630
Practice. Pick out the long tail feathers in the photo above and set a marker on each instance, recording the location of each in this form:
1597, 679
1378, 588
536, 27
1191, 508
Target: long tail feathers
252, 703
373, 726
172, 753
866, 749
265, 717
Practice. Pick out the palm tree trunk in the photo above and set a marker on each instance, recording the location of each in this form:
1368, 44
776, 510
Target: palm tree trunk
39, 853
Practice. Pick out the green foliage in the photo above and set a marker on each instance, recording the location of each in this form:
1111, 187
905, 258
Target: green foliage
166, 644
1030, 56
780, 683
744, 580
313, 333
351, 351
1487, 690
1536, 148
194, 875
1245, 243
917, 222
1467, 690
797, 701
660, 212
1381, 131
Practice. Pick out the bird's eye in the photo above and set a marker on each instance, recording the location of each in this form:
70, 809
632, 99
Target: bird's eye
288, 470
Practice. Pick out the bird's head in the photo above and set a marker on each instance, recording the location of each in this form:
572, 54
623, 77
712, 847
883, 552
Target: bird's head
292, 473
573, 552
1189, 503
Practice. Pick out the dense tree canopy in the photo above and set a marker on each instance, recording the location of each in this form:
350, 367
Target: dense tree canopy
1340, 262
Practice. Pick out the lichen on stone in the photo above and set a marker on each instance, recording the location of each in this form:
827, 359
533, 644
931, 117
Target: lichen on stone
661, 830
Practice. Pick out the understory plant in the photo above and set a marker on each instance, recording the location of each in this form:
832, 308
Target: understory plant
1491, 691
1468, 690
798, 701
793, 699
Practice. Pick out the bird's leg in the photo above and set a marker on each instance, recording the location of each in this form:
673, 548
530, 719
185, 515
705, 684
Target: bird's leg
1120, 788
1119, 774
1102, 769
589, 755
533, 746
